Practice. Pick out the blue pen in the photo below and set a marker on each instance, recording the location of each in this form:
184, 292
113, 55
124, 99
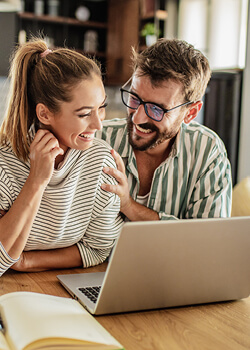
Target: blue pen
1, 325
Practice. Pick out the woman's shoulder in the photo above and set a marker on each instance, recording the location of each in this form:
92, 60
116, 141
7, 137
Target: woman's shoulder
99, 152
7, 154
101, 144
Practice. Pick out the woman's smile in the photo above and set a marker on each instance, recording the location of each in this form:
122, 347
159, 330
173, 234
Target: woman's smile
87, 136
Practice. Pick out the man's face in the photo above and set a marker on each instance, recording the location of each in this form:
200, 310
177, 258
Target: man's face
145, 133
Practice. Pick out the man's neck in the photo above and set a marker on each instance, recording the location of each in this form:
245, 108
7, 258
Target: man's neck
148, 161
157, 154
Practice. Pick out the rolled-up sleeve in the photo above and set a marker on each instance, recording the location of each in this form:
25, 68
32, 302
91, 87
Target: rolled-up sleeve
104, 226
5, 260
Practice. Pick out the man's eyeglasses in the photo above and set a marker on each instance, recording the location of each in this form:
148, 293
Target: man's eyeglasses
153, 110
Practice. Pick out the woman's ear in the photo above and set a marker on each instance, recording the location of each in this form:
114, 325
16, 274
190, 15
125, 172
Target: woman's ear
43, 114
193, 112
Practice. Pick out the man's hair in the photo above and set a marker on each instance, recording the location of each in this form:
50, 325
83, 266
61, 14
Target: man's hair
39, 75
177, 60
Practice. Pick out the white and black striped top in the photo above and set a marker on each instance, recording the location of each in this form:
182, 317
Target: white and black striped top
74, 209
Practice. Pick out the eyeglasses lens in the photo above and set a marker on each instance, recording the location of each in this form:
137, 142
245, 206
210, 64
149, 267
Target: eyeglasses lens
153, 111
130, 100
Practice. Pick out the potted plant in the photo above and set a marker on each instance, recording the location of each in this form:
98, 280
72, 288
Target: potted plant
150, 32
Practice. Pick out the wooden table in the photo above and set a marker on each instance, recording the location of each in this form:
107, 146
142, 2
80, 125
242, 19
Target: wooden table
213, 326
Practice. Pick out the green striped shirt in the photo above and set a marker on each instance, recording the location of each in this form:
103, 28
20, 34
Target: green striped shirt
193, 182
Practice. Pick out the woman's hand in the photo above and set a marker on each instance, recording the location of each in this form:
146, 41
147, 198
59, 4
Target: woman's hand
122, 188
2, 213
16, 224
43, 151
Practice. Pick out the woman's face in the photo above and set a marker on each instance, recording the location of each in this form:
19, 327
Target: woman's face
77, 121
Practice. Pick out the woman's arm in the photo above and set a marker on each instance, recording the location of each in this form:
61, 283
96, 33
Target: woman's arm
16, 224
92, 249
42, 260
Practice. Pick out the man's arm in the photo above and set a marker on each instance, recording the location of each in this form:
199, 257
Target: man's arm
210, 195
138, 212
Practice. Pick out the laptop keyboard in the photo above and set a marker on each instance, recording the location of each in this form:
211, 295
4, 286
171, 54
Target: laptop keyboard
91, 292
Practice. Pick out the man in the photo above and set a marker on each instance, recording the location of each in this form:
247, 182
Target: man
169, 166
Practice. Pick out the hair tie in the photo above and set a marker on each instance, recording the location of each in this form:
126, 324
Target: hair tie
45, 53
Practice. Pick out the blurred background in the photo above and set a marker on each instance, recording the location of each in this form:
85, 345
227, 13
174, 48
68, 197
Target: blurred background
107, 29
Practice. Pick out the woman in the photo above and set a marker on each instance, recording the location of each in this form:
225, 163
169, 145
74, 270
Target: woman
54, 213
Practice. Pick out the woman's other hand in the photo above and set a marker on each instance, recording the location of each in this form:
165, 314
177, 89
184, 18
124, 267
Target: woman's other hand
43, 151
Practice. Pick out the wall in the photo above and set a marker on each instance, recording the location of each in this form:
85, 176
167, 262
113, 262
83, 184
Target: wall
244, 147
217, 28
4, 88
7, 36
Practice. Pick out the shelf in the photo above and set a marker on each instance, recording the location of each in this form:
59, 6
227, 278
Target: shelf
114, 40
148, 15
61, 20
160, 14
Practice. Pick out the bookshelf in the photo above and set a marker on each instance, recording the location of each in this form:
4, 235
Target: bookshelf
155, 13
62, 28
116, 25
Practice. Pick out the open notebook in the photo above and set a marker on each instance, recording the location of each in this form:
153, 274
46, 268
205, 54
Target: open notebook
159, 264
34, 321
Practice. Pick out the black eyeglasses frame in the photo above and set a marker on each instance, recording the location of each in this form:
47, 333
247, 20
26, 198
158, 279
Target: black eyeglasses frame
152, 103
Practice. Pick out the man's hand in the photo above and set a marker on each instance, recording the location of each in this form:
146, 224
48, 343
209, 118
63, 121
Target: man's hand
133, 210
122, 188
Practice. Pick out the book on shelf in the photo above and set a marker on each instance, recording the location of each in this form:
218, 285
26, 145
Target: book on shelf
33, 321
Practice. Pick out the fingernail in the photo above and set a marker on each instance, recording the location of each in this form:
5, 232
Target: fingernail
105, 170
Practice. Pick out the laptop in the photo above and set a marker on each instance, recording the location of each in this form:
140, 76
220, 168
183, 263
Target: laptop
162, 264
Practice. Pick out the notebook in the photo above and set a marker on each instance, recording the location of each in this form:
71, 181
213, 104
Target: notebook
161, 264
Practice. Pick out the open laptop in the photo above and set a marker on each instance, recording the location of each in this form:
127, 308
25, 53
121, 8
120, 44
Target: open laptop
159, 264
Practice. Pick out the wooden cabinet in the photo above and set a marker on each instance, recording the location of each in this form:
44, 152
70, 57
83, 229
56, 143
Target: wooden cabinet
125, 22
115, 26
123, 29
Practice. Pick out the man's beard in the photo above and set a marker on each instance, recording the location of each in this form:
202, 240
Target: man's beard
159, 138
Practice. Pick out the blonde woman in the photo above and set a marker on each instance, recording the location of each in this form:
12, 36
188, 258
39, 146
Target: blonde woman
54, 213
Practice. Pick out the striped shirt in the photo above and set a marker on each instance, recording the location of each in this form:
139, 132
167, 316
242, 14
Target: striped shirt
193, 182
73, 210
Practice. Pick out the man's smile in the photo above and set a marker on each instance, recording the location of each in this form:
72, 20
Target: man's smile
144, 131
